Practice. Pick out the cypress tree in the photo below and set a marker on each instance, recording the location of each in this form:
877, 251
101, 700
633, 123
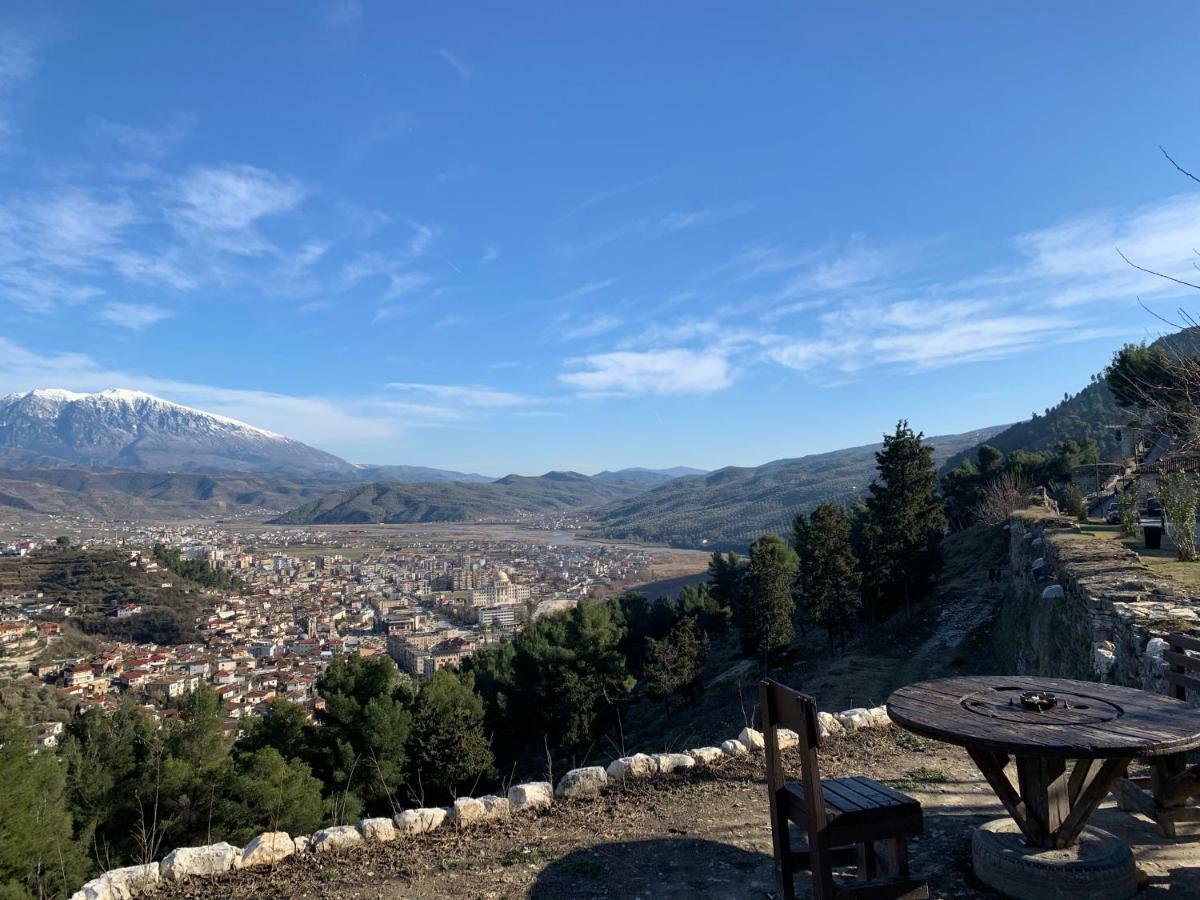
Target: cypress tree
828, 578
765, 600
901, 553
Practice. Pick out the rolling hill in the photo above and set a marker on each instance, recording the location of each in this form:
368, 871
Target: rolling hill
513, 497
729, 508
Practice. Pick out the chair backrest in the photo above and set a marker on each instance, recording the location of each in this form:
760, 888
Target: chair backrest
783, 707
1184, 671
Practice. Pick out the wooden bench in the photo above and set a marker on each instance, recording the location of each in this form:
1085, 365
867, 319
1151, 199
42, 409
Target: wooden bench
843, 817
1168, 793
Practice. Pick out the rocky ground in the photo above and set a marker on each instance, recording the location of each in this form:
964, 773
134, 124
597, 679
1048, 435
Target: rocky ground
700, 834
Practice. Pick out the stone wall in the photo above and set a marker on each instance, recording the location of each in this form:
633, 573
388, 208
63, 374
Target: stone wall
1085, 606
273, 847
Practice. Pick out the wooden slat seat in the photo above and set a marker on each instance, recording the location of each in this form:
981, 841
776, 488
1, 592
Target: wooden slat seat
844, 818
853, 801
1168, 795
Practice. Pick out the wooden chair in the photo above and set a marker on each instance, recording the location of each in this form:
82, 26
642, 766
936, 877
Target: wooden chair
1167, 795
844, 817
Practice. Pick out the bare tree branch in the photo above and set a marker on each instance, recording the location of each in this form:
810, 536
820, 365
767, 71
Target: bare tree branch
1177, 165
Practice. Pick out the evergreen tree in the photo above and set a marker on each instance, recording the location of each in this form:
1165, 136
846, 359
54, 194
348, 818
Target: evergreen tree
675, 663
828, 577
364, 729
725, 574
284, 726
270, 793
38, 857
449, 750
901, 554
765, 599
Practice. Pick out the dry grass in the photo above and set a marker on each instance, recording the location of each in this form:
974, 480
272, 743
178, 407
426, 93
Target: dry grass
1161, 562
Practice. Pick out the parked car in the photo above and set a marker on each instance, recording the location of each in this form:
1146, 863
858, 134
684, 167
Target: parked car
1112, 512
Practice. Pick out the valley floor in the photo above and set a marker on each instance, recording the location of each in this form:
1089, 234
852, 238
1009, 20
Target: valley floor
698, 835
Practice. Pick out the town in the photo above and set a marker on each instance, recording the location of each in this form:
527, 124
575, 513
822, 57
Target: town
301, 598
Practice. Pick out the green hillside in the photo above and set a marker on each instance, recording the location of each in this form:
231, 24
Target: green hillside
96, 582
511, 498
729, 508
1092, 413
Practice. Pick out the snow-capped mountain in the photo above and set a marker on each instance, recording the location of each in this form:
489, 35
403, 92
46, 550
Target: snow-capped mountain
132, 430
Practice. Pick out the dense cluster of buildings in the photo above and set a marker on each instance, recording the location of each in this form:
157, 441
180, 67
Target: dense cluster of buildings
305, 598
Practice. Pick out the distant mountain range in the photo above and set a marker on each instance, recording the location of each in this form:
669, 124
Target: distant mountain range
513, 497
132, 430
731, 507
119, 429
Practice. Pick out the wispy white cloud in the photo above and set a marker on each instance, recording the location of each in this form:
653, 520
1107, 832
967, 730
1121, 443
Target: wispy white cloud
342, 14
597, 325
461, 69
583, 290
18, 59
145, 142
671, 371
224, 205
490, 255
466, 395
608, 194
134, 316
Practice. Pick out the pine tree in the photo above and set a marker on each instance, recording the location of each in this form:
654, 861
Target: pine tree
765, 599
901, 553
449, 749
38, 857
270, 793
675, 663
828, 579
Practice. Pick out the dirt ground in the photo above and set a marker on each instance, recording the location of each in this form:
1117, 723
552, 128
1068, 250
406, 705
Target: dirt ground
702, 834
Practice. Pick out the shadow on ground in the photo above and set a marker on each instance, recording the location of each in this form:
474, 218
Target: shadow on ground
673, 868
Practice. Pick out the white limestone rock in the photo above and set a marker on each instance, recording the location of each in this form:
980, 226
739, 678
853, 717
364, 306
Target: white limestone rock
786, 738
877, 717
673, 762
96, 889
752, 739
585, 782
267, 849
706, 756
829, 724
303, 843
734, 747
467, 811
1053, 592
495, 807
337, 837
855, 719
1103, 660
531, 796
131, 881
639, 765
420, 821
379, 830
213, 859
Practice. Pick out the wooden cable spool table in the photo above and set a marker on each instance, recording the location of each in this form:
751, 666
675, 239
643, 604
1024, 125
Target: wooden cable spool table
1102, 727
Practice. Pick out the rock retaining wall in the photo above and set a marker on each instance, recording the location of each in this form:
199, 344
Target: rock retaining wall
1085, 606
273, 847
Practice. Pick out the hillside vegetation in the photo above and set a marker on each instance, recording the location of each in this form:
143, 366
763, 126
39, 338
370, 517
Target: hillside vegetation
1092, 413
729, 508
511, 497
97, 582
121, 494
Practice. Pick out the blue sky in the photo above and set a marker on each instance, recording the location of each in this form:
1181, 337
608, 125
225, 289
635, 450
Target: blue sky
514, 237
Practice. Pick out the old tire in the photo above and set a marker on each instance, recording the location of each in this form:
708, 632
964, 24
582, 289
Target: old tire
1099, 866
